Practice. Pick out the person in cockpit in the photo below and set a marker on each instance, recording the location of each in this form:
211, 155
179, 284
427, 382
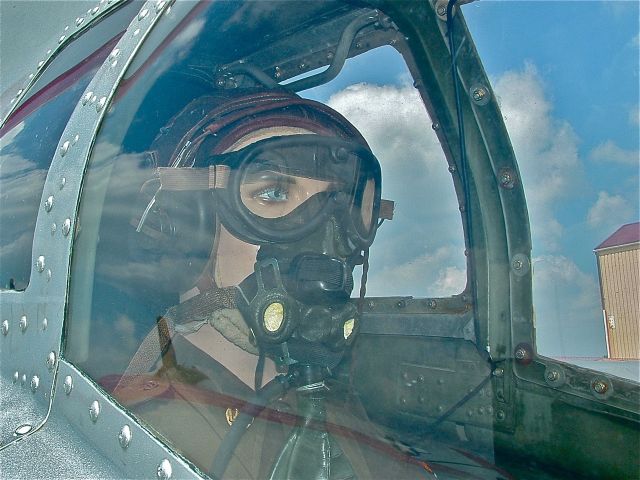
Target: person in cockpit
270, 201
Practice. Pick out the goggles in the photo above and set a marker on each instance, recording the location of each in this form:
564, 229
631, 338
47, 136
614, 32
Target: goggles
281, 189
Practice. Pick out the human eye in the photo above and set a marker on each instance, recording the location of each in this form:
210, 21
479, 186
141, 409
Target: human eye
272, 194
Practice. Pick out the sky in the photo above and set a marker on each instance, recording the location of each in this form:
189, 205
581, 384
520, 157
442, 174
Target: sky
566, 77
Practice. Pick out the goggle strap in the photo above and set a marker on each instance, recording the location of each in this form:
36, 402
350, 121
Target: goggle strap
387, 208
192, 179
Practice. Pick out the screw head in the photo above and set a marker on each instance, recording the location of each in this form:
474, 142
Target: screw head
164, 471
517, 264
500, 415
124, 437
51, 360
480, 94
498, 372
48, 204
23, 323
5, 327
553, 375
68, 384
600, 387
520, 353
94, 411
441, 10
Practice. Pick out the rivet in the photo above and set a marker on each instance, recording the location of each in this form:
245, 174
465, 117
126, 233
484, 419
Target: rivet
498, 372
95, 10
520, 353
48, 274
22, 430
65, 148
517, 264
79, 21
136, 32
100, 105
5, 327
470, 413
35, 383
114, 64
553, 375
401, 304
61, 39
66, 28
124, 437
48, 204
63, 182
23, 379
435, 126
68, 384
19, 93
500, 415
54, 228
87, 97
114, 54
432, 304
143, 13
13, 100
40, 263
93, 99
302, 66
66, 227
164, 470
75, 139
31, 75
51, 360
480, 94
45, 323
40, 63
452, 168
160, 5
16, 377
94, 411
49, 52
23, 323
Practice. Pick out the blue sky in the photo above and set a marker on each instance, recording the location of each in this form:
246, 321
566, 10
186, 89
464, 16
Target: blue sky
583, 57
566, 77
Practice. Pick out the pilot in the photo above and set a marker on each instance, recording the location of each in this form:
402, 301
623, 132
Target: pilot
270, 201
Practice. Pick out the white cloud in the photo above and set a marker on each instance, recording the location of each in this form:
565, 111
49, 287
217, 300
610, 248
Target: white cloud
567, 309
610, 152
546, 150
421, 251
609, 210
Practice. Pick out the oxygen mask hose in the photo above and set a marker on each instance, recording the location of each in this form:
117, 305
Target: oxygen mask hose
310, 451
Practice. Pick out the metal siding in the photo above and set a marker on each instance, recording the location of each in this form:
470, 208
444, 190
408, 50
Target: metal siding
620, 282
